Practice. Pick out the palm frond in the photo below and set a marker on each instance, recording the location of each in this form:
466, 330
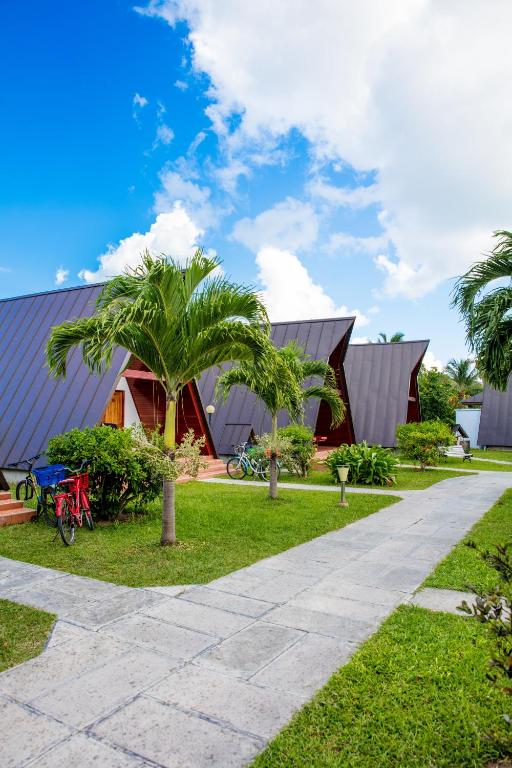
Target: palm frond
333, 400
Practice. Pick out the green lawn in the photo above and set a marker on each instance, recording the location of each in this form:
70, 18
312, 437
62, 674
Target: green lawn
455, 463
463, 566
23, 633
406, 479
492, 454
220, 528
414, 696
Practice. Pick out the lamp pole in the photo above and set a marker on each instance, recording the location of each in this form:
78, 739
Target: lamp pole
210, 410
343, 476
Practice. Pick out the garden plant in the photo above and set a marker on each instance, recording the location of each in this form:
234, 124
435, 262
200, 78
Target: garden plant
368, 465
423, 442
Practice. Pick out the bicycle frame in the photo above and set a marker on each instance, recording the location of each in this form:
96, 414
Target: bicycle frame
75, 495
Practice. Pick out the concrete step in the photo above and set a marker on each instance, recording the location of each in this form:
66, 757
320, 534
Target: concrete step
5, 495
9, 504
15, 516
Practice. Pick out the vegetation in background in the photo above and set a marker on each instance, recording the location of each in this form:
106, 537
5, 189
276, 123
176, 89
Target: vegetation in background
464, 378
393, 339
282, 389
405, 479
463, 567
23, 633
368, 465
421, 441
436, 396
415, 695
220, 529
486, 311
302, 448
178, 319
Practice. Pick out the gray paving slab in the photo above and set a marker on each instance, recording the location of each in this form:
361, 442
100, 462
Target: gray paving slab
85, 751
175, 739
447, 600
205, 674
25, 735
310, 487
250, 650
231, 701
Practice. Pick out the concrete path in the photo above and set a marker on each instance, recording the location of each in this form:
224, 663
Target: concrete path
446, 600
309, 487
141, 677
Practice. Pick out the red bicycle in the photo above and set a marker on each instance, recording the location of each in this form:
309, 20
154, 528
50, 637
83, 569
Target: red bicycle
73, 504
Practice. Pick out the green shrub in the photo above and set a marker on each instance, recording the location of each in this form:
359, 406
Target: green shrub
302, 448
422, 442
125, 467
370, 465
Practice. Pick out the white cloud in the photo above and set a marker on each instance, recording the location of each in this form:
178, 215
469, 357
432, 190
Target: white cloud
430, 361
181, 85
196, 199
291, 294
173, 233
61, 275
359, 339
350, 197
290, 224
164, 135
414, 91
341, 241
139, 101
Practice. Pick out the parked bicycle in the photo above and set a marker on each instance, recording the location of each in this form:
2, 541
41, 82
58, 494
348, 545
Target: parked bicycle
72, 504
243, 465
44, 478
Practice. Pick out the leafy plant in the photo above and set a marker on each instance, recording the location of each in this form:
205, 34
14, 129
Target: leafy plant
423, 442
126, 467
302, 448
438, 396
371, 465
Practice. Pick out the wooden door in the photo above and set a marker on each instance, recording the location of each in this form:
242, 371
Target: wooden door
114, 412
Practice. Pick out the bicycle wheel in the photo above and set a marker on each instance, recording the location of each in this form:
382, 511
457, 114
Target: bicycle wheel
24, 490
264, 470
66, 523
47, 507
235, 468
88, 519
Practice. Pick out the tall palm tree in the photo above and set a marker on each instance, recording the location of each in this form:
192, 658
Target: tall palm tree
464, 377
285, 389
177, 319
396, 337
486, 310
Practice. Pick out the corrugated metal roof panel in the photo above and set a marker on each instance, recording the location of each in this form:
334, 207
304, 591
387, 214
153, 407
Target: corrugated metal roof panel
318, 338
378, 381
34, 407
496, 417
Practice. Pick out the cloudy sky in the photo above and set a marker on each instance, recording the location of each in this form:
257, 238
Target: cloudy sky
344, 158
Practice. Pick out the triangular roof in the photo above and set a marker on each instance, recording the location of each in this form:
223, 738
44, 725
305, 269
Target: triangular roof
33, 406
379, 382
242, 412
496, 417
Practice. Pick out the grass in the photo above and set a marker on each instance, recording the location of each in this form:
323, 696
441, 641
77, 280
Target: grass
414, 696
492, 454
406, 479
23, 633
220, 528
453, 461
463, 565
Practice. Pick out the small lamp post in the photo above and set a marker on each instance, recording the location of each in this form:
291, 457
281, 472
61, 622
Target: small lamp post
343, 476
210, 410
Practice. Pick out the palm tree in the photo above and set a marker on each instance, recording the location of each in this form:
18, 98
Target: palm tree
464, 377
486, 311
396, 337
177, 319
285, 389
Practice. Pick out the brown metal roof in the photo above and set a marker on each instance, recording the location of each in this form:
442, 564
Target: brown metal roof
378, 380
496, 417
242, 412
33, 406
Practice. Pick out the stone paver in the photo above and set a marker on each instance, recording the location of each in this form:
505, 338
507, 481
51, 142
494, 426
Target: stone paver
204, 675
447, 600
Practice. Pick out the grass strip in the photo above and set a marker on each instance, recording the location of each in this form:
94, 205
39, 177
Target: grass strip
463, 566
220, 529
414, 696
23, 633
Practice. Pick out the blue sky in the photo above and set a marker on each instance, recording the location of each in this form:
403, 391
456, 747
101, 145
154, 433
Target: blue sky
309, 150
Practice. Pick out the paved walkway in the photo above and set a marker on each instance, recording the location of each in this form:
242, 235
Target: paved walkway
310, 487
141, 677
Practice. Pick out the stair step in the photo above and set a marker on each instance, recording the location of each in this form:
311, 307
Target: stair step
5, 495
15, 516
9, 504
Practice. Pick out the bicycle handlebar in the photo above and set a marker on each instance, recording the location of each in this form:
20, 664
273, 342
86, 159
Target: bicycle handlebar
80, 469
25, 461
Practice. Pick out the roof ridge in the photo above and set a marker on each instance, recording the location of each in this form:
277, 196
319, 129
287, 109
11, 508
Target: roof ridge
313, 320
52, 290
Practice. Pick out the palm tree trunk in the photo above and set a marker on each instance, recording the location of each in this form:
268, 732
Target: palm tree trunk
169, 486
272, 489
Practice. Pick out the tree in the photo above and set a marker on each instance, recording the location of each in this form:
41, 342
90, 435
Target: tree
284, 389
178, 319
436, 396
464, 377
422, 442
396, 337
486, 310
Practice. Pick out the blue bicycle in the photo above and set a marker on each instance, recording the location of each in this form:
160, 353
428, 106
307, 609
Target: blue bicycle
244, 465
